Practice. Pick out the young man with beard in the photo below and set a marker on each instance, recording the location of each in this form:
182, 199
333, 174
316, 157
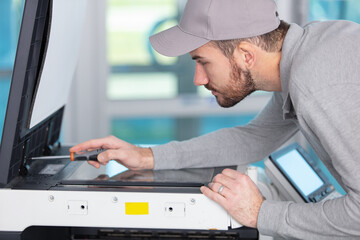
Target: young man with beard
240, 46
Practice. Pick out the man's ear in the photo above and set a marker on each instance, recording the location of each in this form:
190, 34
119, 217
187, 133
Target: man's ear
245, 55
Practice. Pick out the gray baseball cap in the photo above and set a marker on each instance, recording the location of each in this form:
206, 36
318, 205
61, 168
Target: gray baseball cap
207, 20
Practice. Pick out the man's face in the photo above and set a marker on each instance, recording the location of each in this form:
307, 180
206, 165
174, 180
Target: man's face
227, 81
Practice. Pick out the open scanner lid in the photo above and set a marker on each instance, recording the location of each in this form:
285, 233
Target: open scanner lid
45, 62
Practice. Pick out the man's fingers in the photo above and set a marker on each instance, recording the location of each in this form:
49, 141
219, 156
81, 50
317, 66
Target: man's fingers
224, 180
231, 173
91, 144
107, 142
220, 189
213, 196
110, 154
95, 164
231, 179
215, 187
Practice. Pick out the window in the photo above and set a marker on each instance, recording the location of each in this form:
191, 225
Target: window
335, 9
134, 65
145, 130
151, 99
10, 21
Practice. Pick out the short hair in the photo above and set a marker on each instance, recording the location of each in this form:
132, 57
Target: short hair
270, 42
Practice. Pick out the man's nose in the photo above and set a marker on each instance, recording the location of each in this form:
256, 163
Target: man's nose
200, 77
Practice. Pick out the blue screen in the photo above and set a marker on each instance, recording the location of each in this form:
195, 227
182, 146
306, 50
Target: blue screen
300, 172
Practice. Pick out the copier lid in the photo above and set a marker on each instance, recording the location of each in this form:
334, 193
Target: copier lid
45, 61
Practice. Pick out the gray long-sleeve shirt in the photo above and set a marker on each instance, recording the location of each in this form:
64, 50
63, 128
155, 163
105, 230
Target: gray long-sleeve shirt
320, 77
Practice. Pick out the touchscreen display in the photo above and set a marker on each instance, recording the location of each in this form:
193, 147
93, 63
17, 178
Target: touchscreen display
300, 172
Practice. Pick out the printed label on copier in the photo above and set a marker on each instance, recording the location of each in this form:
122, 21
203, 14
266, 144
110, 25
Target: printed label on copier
137, 208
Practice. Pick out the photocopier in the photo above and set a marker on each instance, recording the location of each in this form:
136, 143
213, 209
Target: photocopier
60, 199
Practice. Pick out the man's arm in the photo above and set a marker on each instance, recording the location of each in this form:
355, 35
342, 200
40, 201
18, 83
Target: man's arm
333, 114
230, 146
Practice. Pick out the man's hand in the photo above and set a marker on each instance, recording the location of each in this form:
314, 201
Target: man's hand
239, 196
129, 155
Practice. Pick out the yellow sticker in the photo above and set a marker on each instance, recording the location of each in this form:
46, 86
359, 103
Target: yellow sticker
137, 208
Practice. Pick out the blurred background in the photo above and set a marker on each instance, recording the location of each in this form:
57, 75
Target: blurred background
122, 87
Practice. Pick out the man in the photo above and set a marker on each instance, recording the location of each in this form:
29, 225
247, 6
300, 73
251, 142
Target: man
241, 46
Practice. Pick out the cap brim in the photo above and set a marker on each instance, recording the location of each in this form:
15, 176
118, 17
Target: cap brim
174, 42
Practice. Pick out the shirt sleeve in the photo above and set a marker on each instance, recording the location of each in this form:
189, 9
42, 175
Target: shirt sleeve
230, 146
335, 121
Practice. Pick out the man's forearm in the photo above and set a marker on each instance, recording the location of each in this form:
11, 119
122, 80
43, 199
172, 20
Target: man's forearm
324, 220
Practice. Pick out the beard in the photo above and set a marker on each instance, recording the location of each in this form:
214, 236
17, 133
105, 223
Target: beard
241, 85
